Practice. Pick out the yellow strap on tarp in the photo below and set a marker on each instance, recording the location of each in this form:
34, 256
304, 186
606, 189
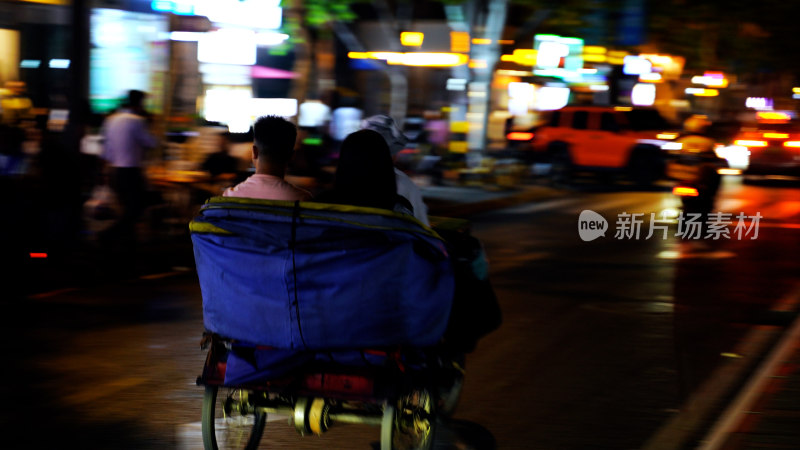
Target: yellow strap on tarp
205, 227
285, 208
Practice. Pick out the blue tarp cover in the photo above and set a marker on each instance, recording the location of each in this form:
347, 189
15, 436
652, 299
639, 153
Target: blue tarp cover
313, 276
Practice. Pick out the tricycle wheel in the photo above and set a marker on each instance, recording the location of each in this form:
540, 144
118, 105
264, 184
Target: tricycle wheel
409, 423
230, 421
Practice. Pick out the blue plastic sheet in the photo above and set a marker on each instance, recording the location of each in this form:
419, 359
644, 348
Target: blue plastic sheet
313, 276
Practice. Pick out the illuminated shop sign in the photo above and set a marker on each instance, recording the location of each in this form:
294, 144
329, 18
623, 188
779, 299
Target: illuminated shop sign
257, 14
128, 51
557, 56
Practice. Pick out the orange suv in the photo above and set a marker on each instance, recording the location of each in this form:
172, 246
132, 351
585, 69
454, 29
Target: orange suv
625, 140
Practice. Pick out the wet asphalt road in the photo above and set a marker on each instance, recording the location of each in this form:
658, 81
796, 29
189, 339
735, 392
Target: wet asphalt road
603, 342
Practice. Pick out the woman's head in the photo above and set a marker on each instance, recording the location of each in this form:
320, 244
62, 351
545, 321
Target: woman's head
365, 172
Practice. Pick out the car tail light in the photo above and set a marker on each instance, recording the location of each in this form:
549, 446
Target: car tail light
519, 136
685, 191
750, 143
792, 144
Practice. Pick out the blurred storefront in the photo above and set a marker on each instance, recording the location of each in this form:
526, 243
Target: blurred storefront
193, 57
198, 59
34, 50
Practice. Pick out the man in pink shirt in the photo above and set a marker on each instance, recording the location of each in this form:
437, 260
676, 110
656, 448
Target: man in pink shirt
273, 143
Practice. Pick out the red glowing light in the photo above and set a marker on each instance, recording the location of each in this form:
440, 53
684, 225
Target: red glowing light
38, 255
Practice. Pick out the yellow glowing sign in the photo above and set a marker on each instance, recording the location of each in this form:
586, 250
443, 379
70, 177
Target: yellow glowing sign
594, 49
750, 143
422, 59
459, 42
701, 92
411, 38
458, 147
773, 116
594, 58
652, 77
459, 127
48, 2
711, 79
707, 93
595, 54
521, 56
617, 56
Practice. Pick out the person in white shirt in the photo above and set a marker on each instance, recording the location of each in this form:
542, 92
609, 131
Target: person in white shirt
273, 143
125, 139
396, 140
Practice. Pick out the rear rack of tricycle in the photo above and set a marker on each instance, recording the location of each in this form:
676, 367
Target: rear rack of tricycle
402, 399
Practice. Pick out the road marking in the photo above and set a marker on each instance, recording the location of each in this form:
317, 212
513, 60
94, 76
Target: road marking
742, 405
696, 410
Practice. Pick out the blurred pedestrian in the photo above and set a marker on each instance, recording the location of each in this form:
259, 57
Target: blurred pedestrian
126, 137
396, 141
697, 164
274, 139
221, 162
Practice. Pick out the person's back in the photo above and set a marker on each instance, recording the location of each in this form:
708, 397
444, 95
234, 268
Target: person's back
396, 140
697, 162
273, 143
125, 134
125, 139
365, 174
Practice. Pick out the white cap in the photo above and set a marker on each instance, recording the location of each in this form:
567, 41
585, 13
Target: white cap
388, 128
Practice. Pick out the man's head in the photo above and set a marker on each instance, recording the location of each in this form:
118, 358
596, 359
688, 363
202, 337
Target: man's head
273, 141
136, 99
